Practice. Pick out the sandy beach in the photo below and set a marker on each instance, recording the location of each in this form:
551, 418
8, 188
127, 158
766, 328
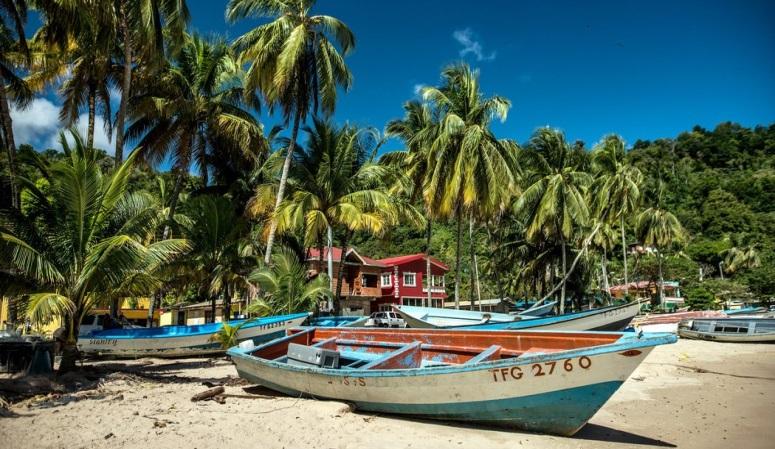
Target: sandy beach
692, 394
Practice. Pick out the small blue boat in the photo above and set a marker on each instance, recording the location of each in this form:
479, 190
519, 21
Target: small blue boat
333, 321
551, 382
179, 341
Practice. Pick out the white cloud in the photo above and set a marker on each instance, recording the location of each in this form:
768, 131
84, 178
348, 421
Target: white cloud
35, 124
467, 39
39, 126
101, 139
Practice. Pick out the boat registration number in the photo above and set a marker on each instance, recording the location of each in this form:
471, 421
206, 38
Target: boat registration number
540, 369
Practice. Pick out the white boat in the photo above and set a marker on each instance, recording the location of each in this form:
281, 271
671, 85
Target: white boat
429, 317
732, 330
603, 319
551, 382
539, 310
179, 341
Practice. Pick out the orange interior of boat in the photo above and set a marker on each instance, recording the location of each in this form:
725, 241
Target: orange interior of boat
390, 349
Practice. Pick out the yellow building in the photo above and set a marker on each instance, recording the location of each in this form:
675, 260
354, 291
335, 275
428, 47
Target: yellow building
199, 313
137, 315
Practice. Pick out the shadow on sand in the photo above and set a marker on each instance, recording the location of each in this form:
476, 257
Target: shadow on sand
596, 432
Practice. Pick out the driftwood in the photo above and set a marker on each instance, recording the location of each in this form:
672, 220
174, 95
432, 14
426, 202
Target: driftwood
207, 394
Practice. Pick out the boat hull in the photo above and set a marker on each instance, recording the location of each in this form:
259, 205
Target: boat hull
727, 338
550, 393
108, 343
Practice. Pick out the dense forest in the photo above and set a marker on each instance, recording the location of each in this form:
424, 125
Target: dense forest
720, 184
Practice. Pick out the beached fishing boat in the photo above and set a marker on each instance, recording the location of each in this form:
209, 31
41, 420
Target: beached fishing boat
539, 309
177, 341
737, 330
430, 317
668, 322
550, 382
613, 318
333, 321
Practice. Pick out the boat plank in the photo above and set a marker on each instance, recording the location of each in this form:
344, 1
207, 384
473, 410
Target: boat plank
408, 356
491, 353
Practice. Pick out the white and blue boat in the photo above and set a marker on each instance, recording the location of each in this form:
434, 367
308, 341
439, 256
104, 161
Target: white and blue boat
430, 317
179, 341
551, 382
612, 318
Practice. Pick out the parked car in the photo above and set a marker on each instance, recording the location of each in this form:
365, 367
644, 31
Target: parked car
385, 319
94, 322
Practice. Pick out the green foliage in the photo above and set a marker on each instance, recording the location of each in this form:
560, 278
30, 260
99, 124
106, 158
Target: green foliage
285, 286
700, 298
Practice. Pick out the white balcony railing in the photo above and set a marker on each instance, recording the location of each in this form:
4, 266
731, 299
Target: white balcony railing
435, 290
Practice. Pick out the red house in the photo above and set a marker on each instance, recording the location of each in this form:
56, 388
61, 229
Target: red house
403, 281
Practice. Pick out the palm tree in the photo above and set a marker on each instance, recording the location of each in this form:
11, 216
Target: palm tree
141, 25
554, 205
220, 254
618, 191
294, 64
286, 287
195, 108
659, 229
741, 258
471, 172
417, 129
336, 185
82, 241
84, 39
13, 15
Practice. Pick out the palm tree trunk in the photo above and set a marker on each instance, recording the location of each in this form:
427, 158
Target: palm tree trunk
340, 275
7, 123
457, 261
330, 256
661, 281
92, 113
624, 256
226, 304
564, 278
125, 84
474, 265
213, 299
152, 301
428, 274
283, 182
604, 267
173, 205
70, 347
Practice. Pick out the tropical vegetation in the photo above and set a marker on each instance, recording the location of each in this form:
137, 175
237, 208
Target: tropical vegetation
203, 202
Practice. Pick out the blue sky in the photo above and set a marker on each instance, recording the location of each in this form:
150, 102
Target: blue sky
640, 69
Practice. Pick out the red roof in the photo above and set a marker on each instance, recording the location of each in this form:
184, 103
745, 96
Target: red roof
400, 260
336, 254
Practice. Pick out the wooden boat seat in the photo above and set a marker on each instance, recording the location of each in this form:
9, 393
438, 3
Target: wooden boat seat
491, 353
407, 356
537, 350
329, 343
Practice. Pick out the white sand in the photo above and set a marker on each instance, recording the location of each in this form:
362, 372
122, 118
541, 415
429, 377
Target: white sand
666, 403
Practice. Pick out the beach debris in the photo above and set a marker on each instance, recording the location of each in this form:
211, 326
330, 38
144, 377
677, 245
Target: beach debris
159, 424
110, 435
207, 394
369, 418
221, 399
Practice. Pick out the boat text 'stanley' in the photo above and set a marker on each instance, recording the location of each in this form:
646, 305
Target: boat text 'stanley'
177, 341
549, 382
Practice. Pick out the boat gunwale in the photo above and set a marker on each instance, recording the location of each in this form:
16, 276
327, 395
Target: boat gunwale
535, 323
627, 341
106, 334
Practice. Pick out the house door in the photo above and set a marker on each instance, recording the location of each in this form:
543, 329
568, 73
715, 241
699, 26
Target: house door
181, 317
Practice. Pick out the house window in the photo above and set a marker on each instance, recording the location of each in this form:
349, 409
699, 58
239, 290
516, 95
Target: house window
410, 280
437, 281
417, 302
436, 302
386, 280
